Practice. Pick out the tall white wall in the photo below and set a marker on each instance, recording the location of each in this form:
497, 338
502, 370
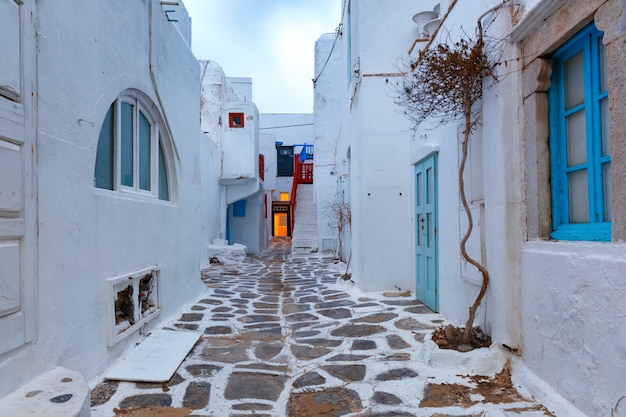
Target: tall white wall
88, 53
381, 177
332, 176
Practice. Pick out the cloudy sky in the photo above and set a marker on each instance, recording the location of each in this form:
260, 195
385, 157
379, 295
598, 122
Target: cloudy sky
271, 41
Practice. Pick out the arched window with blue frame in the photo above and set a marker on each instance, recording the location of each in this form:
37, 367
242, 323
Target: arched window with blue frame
132, 155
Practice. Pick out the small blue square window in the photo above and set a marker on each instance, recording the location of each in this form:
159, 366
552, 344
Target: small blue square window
239, 208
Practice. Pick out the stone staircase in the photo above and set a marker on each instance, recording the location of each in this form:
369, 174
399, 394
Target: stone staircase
304, 234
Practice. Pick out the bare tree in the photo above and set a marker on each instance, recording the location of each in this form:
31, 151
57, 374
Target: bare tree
339, 217
443, 84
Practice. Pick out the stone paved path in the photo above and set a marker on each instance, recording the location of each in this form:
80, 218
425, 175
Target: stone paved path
284, 336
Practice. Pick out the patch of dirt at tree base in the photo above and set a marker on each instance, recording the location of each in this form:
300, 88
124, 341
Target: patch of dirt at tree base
496, 390
152, 411
451, 337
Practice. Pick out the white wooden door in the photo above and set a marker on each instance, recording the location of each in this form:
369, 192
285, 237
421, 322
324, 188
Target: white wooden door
17, 180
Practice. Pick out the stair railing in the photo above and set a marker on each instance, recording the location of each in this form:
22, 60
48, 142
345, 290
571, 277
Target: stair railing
302, 174
294, 190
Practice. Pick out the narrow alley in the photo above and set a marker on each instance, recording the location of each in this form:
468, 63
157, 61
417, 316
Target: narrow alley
285, 336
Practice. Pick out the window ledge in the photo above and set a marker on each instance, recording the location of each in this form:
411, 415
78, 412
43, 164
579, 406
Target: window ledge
563, 246
101, 192
598, 232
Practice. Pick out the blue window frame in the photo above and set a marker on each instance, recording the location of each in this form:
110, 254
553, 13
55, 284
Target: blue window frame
580, 157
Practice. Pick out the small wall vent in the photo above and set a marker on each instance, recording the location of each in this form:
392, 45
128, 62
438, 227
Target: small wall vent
133, 299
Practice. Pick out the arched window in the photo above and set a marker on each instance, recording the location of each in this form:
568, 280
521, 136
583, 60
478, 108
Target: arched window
131, 153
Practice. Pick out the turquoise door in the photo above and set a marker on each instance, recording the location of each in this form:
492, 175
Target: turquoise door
426, 231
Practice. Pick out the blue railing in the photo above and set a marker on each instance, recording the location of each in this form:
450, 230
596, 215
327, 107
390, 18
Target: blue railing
306, 152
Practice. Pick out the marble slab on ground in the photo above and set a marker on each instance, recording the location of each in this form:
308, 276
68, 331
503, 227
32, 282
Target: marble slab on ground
156, 358
367, 309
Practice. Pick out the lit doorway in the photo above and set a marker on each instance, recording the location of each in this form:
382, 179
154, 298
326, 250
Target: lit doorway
280, 224
281, 219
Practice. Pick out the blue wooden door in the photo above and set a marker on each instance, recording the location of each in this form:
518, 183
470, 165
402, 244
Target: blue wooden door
426, 231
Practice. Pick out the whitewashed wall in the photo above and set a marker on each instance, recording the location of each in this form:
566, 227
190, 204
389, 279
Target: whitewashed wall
237, 150
88, 53
381, 171
332, 176
572, 317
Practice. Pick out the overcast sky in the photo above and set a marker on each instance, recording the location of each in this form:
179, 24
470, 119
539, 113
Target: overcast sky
271, 41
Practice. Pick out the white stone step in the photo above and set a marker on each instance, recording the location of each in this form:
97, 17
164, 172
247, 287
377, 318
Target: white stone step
57, 393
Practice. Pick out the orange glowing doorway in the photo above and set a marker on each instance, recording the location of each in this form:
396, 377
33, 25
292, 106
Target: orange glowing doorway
281, 219
280, 224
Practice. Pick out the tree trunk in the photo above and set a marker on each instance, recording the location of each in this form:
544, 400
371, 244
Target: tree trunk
470, 225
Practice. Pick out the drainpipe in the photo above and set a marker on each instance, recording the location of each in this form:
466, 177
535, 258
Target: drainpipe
152, 75
491, 10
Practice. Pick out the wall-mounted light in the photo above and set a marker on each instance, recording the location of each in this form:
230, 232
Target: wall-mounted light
427, 21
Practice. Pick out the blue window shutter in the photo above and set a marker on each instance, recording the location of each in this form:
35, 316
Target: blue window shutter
239, 208
104, 158
164, 193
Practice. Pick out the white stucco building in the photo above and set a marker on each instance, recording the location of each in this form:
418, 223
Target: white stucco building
110, 190
545, 178
230, 119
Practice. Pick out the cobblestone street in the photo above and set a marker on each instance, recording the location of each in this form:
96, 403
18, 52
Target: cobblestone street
284, 336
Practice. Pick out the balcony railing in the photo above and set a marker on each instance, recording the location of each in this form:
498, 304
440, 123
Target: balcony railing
306, 152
